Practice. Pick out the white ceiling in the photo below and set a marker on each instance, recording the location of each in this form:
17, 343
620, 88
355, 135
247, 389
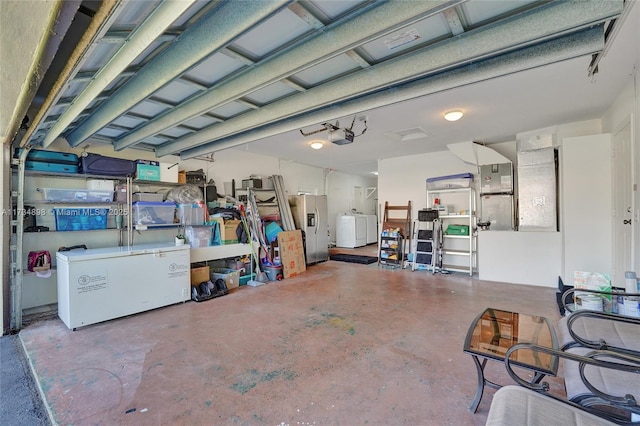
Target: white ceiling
194, 78
495, 110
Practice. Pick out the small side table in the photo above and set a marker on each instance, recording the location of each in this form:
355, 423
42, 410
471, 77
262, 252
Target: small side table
494, 331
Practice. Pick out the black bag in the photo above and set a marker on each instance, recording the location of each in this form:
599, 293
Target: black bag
96, 164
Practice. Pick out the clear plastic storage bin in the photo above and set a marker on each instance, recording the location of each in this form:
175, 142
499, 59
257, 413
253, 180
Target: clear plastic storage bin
153, 213
191, 214
69, 195
198, 236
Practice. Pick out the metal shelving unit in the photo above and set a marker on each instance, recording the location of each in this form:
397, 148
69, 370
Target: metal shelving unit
391, 250
458, 252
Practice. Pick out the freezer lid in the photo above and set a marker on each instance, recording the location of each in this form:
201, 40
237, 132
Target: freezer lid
113, 252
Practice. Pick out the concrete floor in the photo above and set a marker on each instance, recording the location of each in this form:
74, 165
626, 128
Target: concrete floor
341, 344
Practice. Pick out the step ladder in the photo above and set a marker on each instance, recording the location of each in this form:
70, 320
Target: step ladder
425, 253
398, 217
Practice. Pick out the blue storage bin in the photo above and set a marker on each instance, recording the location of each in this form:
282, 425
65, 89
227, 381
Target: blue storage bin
80, 219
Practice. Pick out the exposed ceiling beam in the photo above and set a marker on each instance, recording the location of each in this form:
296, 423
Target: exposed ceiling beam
355, 57
306, 16
220, 26
453, 20
37, 50
334, 40
106, 13
575, 45
243, 59
513, 33
145, 34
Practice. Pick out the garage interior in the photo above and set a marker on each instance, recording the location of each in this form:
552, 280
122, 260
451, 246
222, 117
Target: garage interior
241, 89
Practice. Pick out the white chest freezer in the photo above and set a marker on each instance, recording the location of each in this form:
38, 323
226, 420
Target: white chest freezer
96, 285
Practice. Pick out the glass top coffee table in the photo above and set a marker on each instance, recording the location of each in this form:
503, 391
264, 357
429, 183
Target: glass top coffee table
494, 331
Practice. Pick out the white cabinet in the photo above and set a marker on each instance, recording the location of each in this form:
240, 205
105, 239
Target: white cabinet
458, 249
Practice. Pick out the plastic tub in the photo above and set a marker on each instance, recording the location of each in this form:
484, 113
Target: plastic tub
80, 219
191, 214
274, 272
199, 236
69, 195
153, 213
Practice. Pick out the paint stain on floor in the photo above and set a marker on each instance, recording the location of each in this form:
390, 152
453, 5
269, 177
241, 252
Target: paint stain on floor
340, 322
253, 377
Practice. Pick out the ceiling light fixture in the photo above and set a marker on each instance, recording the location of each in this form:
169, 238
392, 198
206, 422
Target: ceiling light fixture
317, 144
453, 115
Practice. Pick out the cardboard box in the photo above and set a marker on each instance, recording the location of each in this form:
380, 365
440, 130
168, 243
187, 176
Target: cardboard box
291, 253
169, 172
199, 275
231, 277
182, 176
228, 231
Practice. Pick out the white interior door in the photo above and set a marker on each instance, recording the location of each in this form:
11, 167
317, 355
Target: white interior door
622, 204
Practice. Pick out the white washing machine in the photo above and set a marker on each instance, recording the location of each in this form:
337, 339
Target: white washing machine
351, 231
372, 228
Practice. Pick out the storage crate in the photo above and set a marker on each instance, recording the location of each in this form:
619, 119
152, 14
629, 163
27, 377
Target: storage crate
198, 236
153, 213
148, 172
231, 277
462, 180
80, 219
191, 214
251, 183
457, 230
244, 279
69, 195
147, 196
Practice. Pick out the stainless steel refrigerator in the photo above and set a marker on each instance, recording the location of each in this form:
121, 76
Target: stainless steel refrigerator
310, 215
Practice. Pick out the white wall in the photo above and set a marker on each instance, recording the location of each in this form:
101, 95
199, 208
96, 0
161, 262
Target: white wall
238, 164
403, 179
340, 200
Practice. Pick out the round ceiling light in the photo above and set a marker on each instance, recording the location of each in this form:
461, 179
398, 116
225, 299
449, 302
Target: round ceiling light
453, 115
316, 144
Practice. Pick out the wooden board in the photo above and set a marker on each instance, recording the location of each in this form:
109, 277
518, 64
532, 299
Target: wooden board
291, 253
